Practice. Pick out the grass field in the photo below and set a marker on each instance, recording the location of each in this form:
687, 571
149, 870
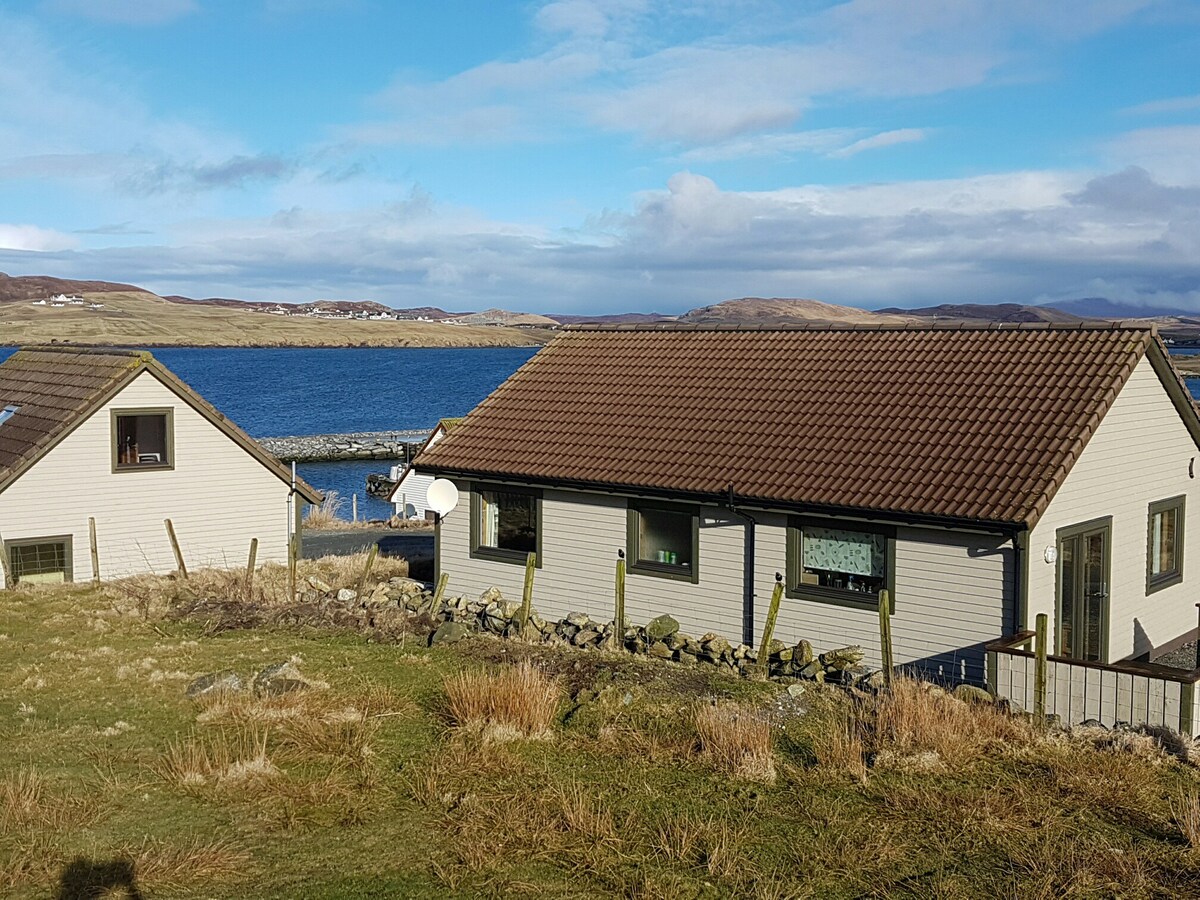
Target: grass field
140, 319
451, 772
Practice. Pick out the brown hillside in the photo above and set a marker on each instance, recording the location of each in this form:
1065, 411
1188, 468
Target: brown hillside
35, 287
781, 311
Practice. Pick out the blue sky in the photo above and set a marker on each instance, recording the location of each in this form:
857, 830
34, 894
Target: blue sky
606, 155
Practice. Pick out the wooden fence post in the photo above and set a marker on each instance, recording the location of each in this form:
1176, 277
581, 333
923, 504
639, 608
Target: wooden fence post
763, 659
619, 603
183, 573
4, 566
354, 507
885, 637
292, 568
250, 564
527, 593
95, 550
1039, 667
442, 581
362, 582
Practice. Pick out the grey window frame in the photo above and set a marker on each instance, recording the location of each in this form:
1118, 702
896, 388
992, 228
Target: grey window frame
69, 553
497, 554
168, 413
836, 596
1175, 576
636, 566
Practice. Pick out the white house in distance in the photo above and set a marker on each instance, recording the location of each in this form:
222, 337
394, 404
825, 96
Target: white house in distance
981, 475
112, 435
409, 496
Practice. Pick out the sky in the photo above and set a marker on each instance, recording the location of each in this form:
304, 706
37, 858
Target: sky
598, 156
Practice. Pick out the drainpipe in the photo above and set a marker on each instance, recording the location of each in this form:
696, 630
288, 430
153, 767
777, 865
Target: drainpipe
747, 567
1021, 580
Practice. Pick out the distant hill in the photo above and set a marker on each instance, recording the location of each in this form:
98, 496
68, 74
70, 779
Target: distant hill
503, 317
613, 319
986, 312
35, 287
1103, 308
782, 310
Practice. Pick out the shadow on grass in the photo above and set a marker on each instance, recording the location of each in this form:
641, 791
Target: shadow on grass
86, 879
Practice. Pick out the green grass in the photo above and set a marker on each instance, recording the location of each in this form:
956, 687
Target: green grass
372, 787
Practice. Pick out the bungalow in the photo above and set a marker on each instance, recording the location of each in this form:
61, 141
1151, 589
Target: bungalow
113, 436
981, 475
408, 496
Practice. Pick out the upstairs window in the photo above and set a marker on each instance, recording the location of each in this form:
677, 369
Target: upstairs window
834, 563
505, 524
1164, 545
663, 541
142, 439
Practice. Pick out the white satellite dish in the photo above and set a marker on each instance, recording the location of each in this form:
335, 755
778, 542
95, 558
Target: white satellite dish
442, 496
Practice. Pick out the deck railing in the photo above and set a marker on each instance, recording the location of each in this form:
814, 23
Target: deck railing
1076, 690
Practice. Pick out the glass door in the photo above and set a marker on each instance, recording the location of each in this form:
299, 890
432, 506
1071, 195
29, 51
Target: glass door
1083, 570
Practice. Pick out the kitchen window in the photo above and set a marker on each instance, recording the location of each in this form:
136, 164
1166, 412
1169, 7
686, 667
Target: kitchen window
841, 563
663, 541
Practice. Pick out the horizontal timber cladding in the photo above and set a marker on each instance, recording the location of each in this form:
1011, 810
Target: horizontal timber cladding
217, 495
581, 534
1141, 453
954, 593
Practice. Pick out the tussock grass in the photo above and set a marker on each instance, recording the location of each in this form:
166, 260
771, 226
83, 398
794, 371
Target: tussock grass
28, 802
735, 739
704, 842
515, 702
327, 513
1185, 809
162, 865
233, 757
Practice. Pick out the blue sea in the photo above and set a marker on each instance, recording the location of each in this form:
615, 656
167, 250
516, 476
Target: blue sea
272, 392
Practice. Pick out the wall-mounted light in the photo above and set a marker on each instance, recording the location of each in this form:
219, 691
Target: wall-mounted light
1050, 554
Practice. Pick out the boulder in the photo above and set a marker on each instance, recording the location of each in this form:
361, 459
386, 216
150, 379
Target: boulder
661, 627
802, 653
225, 680
812, 670
796, 691
345, 595
278, 678
491, 595
969, 693
659, 650
578, 619
586, 637
676, 641
449, 633
844, 658
318, 585
872, 681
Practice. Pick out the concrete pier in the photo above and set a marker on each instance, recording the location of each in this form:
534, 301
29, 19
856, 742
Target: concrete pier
338, 447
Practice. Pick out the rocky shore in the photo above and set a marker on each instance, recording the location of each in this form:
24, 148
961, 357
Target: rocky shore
339, 447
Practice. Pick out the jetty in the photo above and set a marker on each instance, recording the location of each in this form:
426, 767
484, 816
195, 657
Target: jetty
340, 447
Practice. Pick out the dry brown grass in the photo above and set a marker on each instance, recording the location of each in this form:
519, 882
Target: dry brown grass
837, 744
735, 739
27, 802
228, 757
710, 843
326, 514
1185, 809
514, 702
168, 866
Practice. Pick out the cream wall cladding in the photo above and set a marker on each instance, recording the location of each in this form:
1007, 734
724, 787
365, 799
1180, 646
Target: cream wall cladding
1141, 452
217, 495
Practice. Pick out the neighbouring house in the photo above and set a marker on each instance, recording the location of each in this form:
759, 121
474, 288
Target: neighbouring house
113, 436
980, 475
408, 497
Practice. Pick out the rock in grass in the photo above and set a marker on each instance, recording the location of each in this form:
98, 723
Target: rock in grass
660, 628
802, 653
225, 680
279, 678
660, 650
449, 633
969, 693
845, 658
345, 595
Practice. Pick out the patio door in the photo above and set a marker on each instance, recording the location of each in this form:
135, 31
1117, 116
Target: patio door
1083, 579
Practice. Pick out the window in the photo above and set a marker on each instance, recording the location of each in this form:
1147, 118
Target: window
142, 439
505, 524
830, 563
40, 561
1164, 545
664, 541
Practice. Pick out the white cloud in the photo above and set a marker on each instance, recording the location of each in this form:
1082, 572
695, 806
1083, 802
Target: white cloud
1166, 105
883, 139
34, 239
124, 12
1172, 152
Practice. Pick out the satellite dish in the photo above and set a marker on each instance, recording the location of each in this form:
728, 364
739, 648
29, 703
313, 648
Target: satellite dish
442, 496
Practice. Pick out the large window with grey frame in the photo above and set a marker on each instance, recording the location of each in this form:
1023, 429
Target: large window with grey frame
845, 563
43, 560
663, 540
1164, 544
506, 523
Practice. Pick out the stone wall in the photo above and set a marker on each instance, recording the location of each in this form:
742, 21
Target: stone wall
338, 447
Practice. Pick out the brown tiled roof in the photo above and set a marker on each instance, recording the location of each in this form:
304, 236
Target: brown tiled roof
977, 424
56, 388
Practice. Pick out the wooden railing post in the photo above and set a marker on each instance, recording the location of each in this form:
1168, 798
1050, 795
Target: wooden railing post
619, 602
95, 550
4, 566
362, 581
527, 593
1039, 667
443, 580
183, 573
251, 561
764, 646
885, 636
